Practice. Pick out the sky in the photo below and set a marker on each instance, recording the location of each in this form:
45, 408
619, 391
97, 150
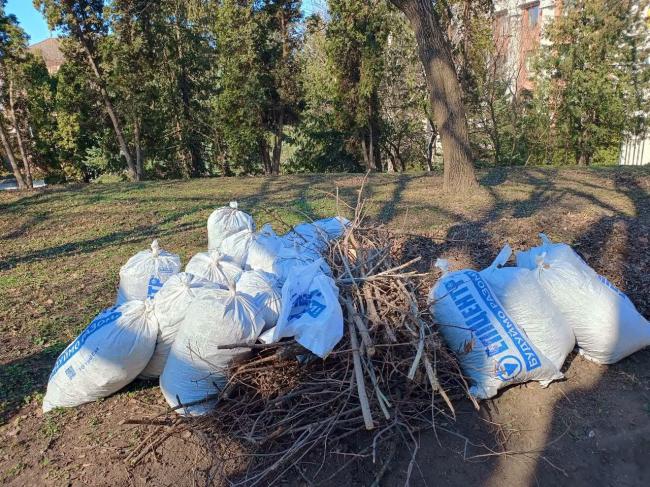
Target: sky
34, 24
29, 18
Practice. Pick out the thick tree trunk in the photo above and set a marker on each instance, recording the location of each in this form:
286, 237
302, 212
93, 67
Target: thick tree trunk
19, 140
264, 154
444, 93
12, 159
121, 141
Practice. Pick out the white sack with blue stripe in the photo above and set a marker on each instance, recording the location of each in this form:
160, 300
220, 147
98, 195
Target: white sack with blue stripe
106, 356
493, 350
524, 299
606, 324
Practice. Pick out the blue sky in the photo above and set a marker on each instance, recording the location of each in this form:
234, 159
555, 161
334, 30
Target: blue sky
30, 19
34, 24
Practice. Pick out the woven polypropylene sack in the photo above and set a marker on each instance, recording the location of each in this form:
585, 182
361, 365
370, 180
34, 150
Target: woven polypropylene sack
226, 221
111, 352
215, 267
145, 273
235, 247
170, 306
492, 348
265, 290
263, 250
526, 302
196, 369
605, 322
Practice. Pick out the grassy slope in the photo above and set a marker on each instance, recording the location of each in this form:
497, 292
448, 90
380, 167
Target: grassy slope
61, 250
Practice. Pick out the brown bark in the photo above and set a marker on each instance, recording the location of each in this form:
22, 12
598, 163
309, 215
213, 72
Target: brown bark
138, 149
124, 149
277, 142
264, 154
444, 93
12, 159
19, 140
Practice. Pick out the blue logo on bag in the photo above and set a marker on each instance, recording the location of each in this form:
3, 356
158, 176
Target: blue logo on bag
508, 367
103, 319
154, 286
306, 303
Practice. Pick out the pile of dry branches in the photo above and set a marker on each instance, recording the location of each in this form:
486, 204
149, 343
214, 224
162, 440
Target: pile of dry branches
389, 375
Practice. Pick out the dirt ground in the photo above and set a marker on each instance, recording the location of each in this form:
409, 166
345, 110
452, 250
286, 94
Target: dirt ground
60, 251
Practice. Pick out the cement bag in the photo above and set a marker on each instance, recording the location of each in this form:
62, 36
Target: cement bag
145, 273
235, 247
526, 302
170, 306
310, 310
492, 348
196, 368
263, 250
105, 357
225, 221
606, 324
214, 266
265, 290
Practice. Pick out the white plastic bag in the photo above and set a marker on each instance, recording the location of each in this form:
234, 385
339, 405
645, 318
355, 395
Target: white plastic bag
111, 352
526, 302
196, 368
493, 350
226, 221
606, 324
310, 310
317, 235
264, 289
145, 273
170, 306
292, 256
214, 266
263, 250
235, 246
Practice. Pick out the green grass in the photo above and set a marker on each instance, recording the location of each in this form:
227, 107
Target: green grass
61, 249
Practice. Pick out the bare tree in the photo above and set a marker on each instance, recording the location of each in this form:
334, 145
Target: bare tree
444, 93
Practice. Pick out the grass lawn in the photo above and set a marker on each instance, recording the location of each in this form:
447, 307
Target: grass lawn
61, 250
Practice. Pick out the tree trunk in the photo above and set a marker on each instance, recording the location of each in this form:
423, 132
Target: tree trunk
12, 159
124, 149
431, 146
264, 154
277, 142
138, 149
444, 93
196, 164
19, 140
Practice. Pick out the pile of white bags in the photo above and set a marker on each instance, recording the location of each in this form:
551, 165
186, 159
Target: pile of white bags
525, 300
606, 324
145, 273
171, 324
493, 349
105, 357
513, 324
196, 368
170, 307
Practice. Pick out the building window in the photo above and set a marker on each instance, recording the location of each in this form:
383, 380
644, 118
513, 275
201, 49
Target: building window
533, 16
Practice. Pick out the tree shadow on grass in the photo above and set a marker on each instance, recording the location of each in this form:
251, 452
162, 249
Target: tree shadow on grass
21, 380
